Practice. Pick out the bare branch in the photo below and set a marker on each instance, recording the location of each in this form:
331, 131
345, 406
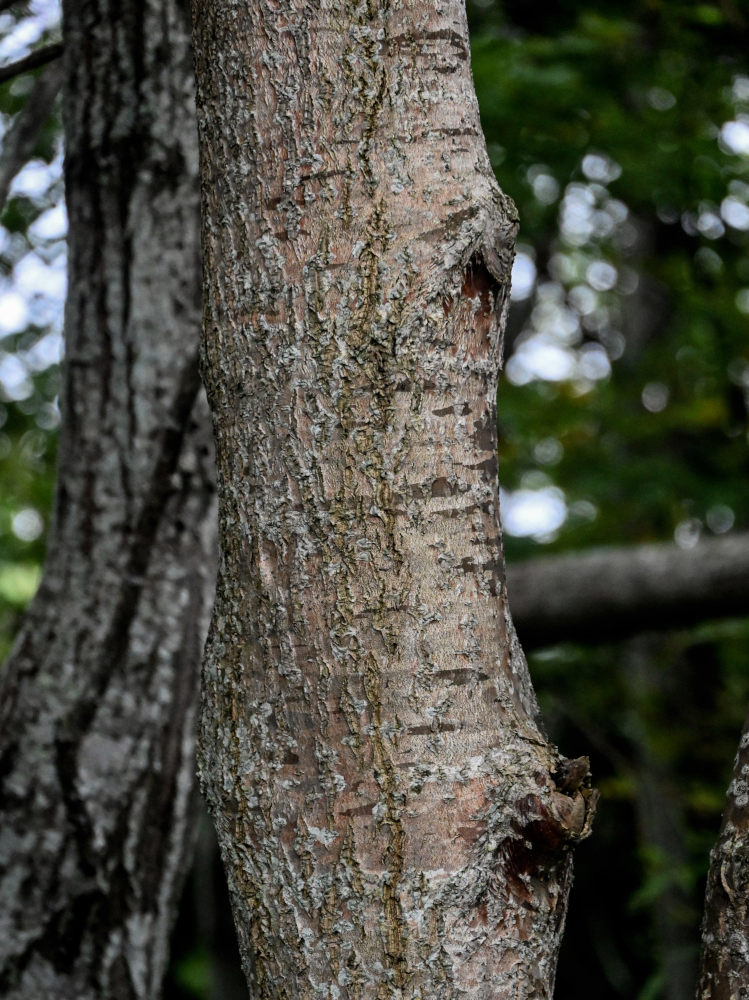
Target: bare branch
6, 5
35, 59
18, 144
610, 593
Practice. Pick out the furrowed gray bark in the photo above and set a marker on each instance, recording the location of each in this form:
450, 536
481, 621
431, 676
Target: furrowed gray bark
606, 594
724, 960
98, 699
392, 819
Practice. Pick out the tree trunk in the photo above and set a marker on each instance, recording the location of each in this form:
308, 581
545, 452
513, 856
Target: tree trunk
392, 819
724, 962
98, 699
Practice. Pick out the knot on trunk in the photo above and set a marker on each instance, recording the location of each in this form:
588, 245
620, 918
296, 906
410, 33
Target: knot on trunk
548, 823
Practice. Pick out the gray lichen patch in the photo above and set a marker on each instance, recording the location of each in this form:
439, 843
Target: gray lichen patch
100, 694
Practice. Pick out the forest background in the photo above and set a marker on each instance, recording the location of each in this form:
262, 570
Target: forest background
622, 133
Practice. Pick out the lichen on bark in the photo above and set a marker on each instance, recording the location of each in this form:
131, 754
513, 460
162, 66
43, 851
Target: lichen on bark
392, 818
98, 699
724, 959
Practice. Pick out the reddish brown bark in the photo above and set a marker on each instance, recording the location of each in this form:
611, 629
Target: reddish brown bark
393, 821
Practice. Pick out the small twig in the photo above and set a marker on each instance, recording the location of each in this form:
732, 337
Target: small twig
6, 5
19, 141
35, 59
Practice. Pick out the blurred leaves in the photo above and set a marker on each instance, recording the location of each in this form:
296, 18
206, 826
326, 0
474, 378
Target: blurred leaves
606, 130
622, 134
193, 973
32, 288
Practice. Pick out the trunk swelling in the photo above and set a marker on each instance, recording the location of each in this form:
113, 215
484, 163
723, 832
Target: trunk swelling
392, 819
96, 733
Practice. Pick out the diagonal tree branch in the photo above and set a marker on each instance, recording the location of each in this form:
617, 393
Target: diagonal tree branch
19, 142
606, 594
6, 5
35, 59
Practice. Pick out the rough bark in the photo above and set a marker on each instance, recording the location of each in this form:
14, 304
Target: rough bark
604, 595
98, 699
724, 962
392, 819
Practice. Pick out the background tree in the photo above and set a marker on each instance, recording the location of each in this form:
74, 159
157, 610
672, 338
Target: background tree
98, 700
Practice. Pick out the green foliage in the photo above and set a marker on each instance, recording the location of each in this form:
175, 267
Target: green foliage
667, 728
192, 974
606, 129
32, 256
608, 126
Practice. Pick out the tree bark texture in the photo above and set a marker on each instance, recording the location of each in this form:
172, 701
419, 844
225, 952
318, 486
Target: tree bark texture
724, 961
98, 699
606, 594
392, 819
